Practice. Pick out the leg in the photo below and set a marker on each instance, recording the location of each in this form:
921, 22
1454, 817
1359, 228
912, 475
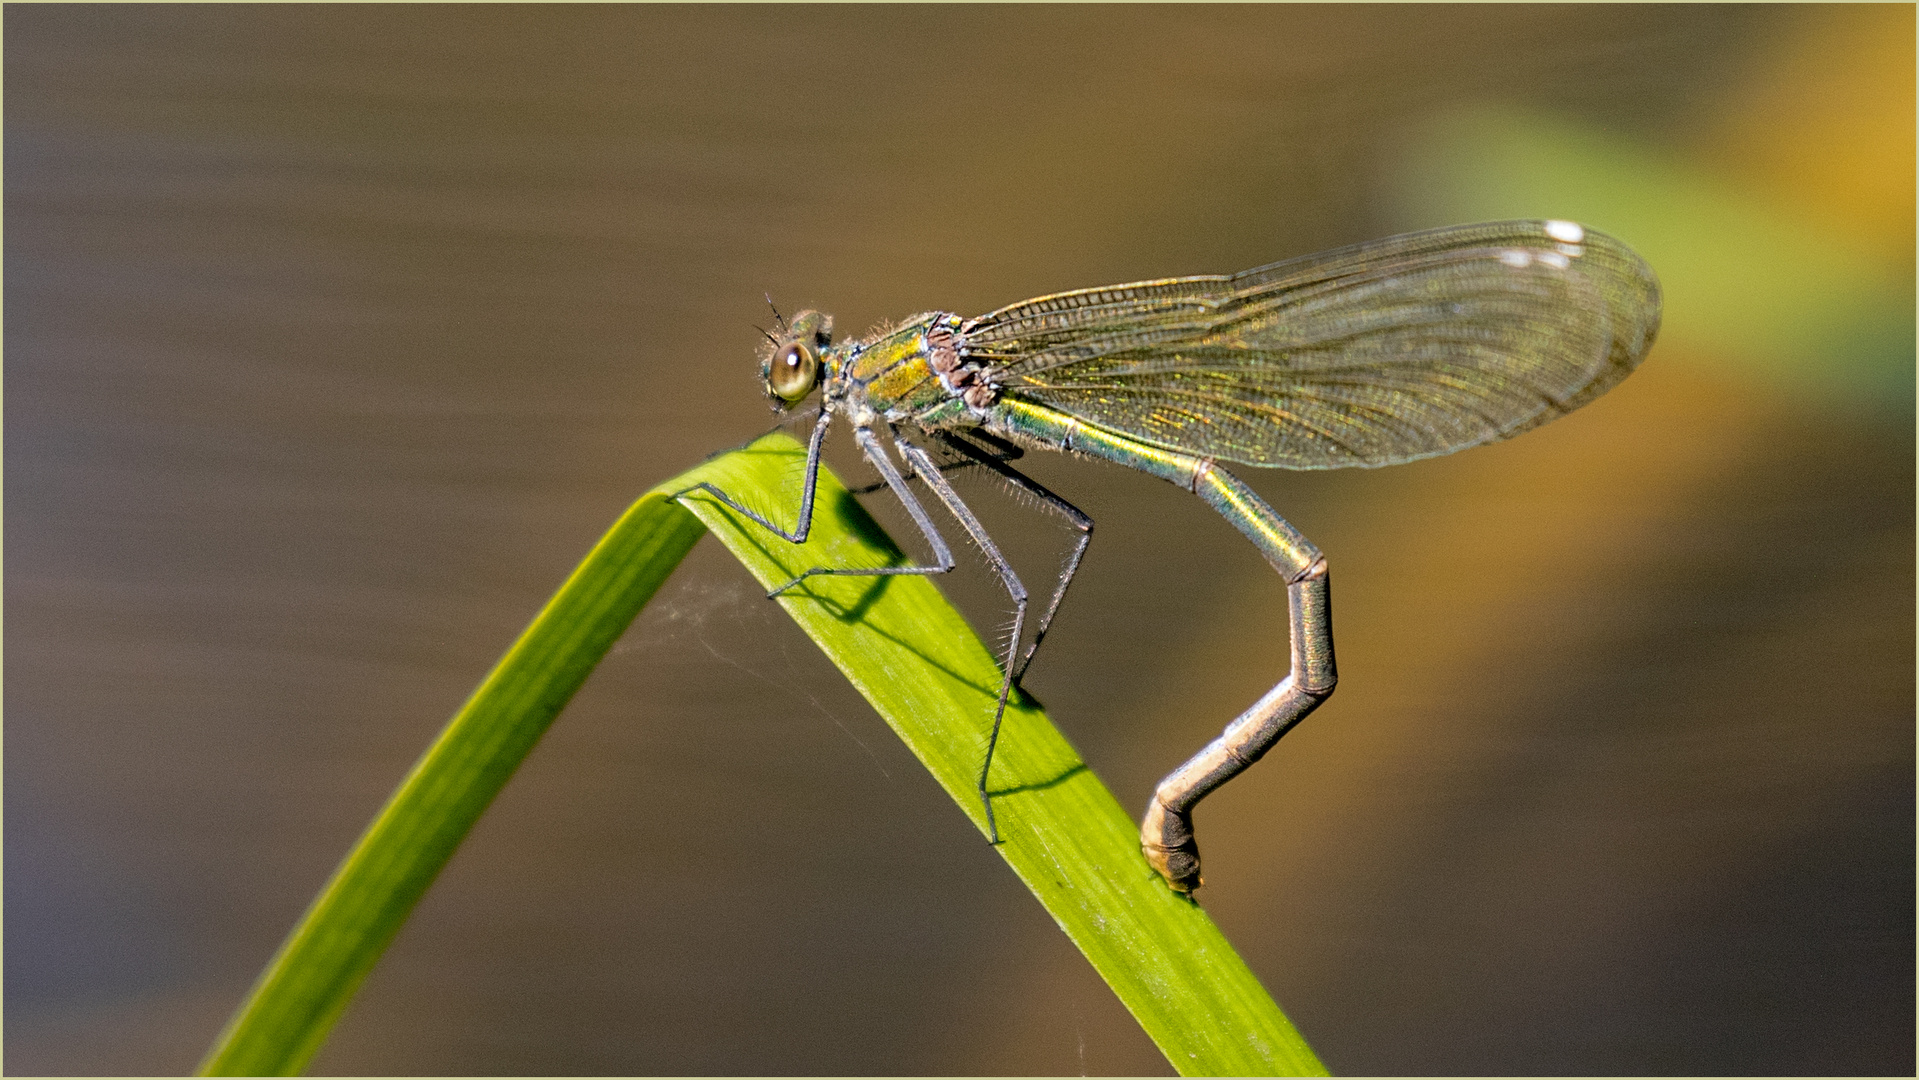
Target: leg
870, 446
805, 523
996, 448
923, 465
798, 535
868, 489
1166, 833
1072, 514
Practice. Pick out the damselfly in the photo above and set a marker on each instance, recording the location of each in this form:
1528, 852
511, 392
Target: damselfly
1370, 355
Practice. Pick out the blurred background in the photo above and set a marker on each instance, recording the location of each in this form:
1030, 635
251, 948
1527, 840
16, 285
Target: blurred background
336, 335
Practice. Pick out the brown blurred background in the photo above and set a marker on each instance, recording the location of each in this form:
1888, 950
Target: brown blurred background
336, 335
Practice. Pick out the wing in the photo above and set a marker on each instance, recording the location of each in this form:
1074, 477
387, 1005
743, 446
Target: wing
1370, 355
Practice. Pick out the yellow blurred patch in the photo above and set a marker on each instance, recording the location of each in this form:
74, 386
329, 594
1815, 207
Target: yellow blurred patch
1822, 117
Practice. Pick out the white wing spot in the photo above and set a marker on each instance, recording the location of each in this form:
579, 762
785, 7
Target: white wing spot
1571, 250
1554, 259
1516, 258
1569, 232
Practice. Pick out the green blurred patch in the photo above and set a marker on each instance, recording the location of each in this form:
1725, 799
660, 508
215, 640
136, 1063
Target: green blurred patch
1750, 286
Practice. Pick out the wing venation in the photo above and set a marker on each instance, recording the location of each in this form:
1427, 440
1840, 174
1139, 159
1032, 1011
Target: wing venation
1370, 355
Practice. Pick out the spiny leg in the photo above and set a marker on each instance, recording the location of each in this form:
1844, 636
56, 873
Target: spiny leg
1166, 832
996, 448
870, 446
924, 466
1033, 487
878, 485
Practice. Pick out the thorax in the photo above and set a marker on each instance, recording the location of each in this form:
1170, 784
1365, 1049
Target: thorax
907, 374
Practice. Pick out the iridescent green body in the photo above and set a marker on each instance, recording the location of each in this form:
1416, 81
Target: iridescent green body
1371, 355
894, 373
891, 376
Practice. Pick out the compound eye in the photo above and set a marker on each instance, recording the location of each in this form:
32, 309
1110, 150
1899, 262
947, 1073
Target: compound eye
796, 367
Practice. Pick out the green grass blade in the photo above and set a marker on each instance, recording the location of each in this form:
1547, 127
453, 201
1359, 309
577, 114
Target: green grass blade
308, 984
913, 657
919, 664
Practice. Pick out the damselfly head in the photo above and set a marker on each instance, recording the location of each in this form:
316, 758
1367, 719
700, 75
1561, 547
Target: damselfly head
791, 367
